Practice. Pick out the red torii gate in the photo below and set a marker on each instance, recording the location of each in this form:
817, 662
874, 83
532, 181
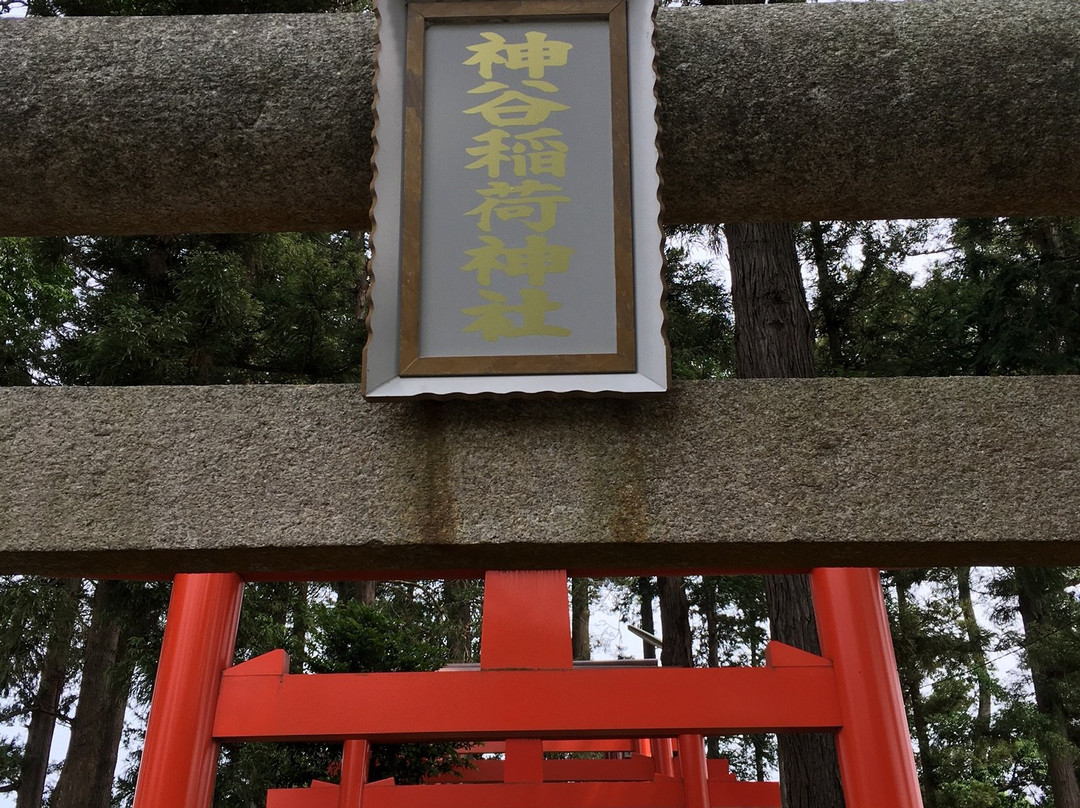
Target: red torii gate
646, 773
525, 692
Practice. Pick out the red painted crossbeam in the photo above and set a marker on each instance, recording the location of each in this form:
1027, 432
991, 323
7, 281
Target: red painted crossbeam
660, 794
638, 767
591, 745
264, 704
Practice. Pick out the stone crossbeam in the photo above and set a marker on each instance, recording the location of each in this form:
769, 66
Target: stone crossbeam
717, 475
787, 112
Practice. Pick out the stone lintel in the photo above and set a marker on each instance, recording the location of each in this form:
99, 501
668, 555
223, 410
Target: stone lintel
314, 481
787, 112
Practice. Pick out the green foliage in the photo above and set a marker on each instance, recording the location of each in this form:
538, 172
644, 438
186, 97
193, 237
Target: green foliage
213, 310
1022, 279
36, 301
446, 614
964, 764
31, 606
866, 310
354, 637
276, 615
311, 292
1006, 301
246, 771
1050, 641
699, 324
10, 761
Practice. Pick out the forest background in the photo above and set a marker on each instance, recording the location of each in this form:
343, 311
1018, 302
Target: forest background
989, 659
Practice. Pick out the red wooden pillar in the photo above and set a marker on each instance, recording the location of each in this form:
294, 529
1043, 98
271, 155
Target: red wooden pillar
523, 761
877, 767
180, 756
694, 771
663, 756
354, 773
526, 624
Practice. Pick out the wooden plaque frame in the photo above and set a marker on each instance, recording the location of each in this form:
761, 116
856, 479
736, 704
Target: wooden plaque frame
421, 17
395, 367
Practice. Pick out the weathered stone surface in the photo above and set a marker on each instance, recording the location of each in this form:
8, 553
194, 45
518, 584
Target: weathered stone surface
732, 474
785, 112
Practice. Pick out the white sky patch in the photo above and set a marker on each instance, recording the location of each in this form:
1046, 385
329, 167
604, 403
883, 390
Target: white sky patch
608, 634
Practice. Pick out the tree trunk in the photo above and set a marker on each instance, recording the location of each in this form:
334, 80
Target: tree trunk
299, 630
774, 339
773, 335
579, 618
980, 729
1037, 614
87, 777
459, 617
758, 743
712, 651
646, 594
43, 716
675, 621
911, 684
363, 591
827, 286
712, 630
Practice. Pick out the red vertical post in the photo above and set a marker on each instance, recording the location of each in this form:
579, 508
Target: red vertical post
180, 756
694, 771
523, 761
526, 621
354, 773
526, 624
877, 767
663, 756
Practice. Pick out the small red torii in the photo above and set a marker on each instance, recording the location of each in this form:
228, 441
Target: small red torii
526, 692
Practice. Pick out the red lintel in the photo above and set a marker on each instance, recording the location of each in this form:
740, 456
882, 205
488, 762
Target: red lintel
663, 793
496, 705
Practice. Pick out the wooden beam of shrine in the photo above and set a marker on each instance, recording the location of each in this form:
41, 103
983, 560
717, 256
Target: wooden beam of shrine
659, 793
276, 480
793, 112
478, 705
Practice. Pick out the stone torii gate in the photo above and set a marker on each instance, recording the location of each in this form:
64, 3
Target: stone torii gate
262, 123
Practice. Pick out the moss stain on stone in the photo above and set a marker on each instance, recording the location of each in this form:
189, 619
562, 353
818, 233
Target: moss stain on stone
618, 502
425, 478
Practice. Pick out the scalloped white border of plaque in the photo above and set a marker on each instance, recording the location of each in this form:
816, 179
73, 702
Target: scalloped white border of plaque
650, 373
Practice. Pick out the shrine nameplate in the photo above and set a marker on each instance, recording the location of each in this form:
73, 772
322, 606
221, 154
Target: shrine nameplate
516, 240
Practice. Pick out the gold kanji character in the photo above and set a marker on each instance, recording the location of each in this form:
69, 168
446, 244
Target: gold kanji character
492, 152
514, 108
545, 155
535, 152
536, 54
493, 319
492, 86
523, 201
535, 260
